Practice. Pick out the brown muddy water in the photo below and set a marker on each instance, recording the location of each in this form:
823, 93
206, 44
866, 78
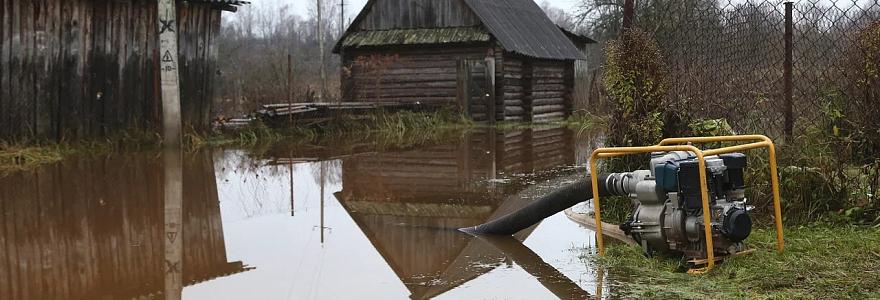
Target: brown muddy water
301, 222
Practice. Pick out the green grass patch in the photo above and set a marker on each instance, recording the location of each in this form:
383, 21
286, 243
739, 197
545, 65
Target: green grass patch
820, 262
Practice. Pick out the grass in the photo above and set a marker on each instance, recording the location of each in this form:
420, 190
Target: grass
387, 130
28, 155
821, 261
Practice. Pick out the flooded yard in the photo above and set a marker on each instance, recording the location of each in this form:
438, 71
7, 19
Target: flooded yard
300, 222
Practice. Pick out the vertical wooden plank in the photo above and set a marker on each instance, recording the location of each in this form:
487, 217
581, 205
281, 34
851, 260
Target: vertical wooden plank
15, 70
490, 80
26, 71
42, 84
89, 16
4, 67
54, 63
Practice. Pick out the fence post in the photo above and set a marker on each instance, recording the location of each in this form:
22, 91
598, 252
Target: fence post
629, 11
787, 72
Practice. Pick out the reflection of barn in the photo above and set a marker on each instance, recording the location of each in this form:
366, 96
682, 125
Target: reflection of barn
90, 229
493, 59
409, 204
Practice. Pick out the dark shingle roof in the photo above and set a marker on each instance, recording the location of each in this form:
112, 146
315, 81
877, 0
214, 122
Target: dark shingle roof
522, 27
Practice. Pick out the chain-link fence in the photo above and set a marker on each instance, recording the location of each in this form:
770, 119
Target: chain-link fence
729, 59
803, 72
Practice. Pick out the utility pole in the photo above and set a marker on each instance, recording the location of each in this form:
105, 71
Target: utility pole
170, 82
321, 49
171, 157
341, 18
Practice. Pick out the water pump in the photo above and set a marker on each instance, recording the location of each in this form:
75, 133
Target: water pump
668, 211
669, 214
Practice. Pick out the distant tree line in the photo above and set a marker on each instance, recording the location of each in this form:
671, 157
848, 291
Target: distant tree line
254, 45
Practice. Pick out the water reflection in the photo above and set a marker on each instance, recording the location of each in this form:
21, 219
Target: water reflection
410, 203
95, 228
310, 222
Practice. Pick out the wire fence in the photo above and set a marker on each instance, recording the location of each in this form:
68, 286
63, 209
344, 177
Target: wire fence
728, 59
790, 70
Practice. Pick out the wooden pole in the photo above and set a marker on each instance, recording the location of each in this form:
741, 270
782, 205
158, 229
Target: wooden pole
171, 133
788, 71
321, 50
341, 18
290, 87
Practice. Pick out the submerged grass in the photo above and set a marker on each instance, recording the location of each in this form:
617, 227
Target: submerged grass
385, 129
820, 261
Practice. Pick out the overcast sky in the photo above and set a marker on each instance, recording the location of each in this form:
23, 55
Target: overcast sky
352, 7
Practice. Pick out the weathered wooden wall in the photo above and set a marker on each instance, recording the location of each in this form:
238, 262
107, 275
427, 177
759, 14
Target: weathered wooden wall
395, 14
426, 74
90, 229
526, 89
85, 68
551, 88
513, 93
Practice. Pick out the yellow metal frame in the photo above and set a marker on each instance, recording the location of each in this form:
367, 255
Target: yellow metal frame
677, 144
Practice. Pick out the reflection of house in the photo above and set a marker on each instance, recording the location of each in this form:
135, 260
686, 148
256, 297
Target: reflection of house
409, 204
494, 59
468, 166
90, 229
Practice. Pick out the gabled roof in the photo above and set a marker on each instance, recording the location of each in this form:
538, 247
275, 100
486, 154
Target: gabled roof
523, 27
229, 5
520, 26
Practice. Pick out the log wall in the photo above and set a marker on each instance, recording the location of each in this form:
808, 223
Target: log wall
427, 75
74, 69
551, 86
526, 89
94, 229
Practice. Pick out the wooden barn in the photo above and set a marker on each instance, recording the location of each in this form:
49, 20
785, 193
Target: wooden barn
74, 69
494, 60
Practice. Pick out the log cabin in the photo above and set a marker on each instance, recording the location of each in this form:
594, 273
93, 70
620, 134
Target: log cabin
494, 60
73, 69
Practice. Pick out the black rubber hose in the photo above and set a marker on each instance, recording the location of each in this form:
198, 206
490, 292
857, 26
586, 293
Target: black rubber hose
546, 206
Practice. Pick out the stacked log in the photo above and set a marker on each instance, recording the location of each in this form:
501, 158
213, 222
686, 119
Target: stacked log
513, 95
427, 75
549, 92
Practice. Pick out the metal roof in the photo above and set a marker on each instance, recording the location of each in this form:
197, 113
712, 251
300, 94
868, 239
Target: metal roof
523, 27
227, 2
519, 25
228, 5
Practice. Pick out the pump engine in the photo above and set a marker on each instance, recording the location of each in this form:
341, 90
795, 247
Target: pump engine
668, 209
